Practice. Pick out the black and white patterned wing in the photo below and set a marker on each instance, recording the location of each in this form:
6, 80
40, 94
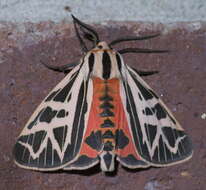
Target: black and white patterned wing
52, 137
158, 137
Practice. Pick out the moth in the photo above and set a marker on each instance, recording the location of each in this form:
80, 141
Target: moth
102, 111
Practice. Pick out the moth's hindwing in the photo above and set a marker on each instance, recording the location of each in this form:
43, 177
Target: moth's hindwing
107, 134
158, 138
52, 137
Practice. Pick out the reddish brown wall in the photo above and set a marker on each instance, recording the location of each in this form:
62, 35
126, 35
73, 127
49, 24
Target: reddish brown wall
24, 82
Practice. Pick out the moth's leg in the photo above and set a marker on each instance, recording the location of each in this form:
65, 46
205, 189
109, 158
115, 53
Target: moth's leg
141, 50
63, 69
145, 73
131, 38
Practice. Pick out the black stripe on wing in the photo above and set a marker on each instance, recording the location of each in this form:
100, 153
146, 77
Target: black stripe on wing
83, 162
131, 162
169, 138
78, 124
60, 95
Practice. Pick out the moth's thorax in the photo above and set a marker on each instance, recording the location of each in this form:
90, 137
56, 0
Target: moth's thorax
104, 62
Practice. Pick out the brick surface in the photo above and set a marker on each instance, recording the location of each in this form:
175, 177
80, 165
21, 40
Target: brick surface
24, 82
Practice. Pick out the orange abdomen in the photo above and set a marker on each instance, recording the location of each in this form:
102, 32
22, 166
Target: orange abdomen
107, 128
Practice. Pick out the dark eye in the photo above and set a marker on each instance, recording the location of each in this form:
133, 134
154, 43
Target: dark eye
100, 46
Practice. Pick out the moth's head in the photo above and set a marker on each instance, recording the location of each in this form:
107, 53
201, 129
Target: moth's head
101, 46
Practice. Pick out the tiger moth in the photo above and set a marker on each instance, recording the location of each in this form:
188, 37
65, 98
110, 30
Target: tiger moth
102, 111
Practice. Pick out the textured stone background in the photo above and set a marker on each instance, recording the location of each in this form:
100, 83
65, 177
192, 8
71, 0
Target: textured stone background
24, 82
98, 10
